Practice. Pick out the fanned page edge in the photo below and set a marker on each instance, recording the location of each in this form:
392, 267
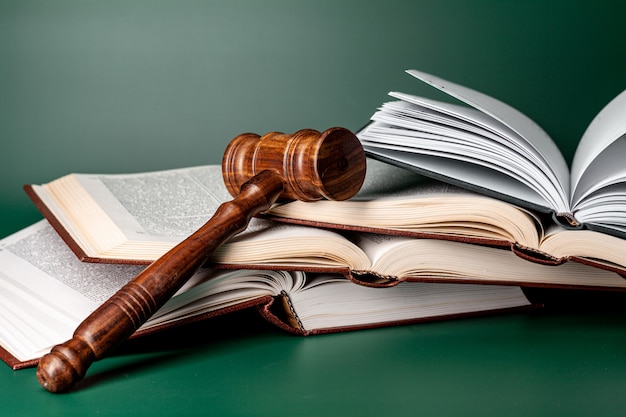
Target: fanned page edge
507, 115
387, 156
517, 122
596, 138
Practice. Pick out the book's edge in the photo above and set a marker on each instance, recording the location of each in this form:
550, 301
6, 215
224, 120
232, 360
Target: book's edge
17, 364
387, 231
342, 270
598, 264
532, 255
528, 254
267, 312
438, 280
606, 230
374, 280
14, 363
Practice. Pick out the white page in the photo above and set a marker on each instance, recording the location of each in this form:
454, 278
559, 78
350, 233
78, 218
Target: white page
40, 310
605, 208
607, 127
365, 306
452, 171
419, 120
518, 122
383, 138
494, 137
482, 122
159, 206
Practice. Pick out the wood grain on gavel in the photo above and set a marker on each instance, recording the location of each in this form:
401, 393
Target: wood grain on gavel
257, 170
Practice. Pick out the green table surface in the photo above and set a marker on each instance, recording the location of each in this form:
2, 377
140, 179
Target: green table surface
127, 86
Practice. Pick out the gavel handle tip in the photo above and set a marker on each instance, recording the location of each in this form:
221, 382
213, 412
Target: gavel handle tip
55, 374
59, 370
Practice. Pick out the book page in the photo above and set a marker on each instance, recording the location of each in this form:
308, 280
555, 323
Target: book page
210, 290
603, 180
507, 115
441, 260
465, 125
379, 138
378, 247
500, 119
563, 243
607, 127
475, 177
46, 291
329, 301
398, 199
384, 181
278, 244
162, 205
599, 171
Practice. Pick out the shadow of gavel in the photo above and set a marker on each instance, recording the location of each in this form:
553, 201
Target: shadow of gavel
257, 170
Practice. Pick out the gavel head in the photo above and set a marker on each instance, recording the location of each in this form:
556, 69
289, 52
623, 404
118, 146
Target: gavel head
313, 165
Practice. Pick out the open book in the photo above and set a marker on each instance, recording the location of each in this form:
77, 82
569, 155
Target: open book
46, 292
397, 201
488, 146
136, 218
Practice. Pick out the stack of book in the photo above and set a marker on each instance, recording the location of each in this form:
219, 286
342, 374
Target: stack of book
462, 209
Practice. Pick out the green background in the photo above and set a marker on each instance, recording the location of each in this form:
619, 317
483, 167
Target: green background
128, 86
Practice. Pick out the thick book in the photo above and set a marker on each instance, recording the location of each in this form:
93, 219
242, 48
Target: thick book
485, 145
46, 293
135, 218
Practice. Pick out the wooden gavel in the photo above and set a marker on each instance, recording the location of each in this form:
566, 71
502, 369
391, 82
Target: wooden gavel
257, 170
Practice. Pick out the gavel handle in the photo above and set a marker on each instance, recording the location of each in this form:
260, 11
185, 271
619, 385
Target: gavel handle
129, 308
